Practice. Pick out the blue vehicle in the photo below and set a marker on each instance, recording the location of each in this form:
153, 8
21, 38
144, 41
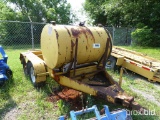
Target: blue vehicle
120, 114
5, 71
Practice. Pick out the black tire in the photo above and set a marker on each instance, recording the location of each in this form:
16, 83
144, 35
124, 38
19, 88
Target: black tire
32, 77
25, 67
9, 73
111, 63
2, 83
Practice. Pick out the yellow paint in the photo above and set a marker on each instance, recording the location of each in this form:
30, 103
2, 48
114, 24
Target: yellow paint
146, 73
142, 60
120, 61
75, 85
58, 44
81, 71
110, 99
38, 64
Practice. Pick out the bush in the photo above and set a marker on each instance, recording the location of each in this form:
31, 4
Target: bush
142, 36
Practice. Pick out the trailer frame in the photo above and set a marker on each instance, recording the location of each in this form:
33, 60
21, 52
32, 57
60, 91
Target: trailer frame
136, 62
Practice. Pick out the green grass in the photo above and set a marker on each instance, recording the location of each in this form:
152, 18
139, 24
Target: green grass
19, 98
19, 95
130, 84
145, 93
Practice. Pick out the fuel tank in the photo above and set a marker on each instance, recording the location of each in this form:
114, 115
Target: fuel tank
61, 44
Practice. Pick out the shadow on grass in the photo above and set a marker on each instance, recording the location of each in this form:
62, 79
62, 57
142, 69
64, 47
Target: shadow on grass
7, 103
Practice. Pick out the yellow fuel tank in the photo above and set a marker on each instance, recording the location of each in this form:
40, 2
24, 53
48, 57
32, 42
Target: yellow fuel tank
59, 46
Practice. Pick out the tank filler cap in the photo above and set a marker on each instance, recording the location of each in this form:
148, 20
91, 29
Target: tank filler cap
53, 22
100, 25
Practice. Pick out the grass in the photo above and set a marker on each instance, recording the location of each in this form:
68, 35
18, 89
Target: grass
19, 96
20, 100
132, 85
145, 93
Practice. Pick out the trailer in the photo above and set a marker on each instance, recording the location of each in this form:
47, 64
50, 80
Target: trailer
75, 57
136, 62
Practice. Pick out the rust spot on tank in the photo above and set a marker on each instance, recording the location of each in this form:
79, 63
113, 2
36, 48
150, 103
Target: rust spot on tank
68, 31
88, 30
59, 53
84, 32
99, 34
75, 32
72, 44
57, 35
86, 48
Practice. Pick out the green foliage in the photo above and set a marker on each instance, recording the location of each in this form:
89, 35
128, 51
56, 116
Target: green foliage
64, 107
19, 99
129, 13
124, 12
96, 11
43, 10
30, 10
142, 36
145, 36
6, 13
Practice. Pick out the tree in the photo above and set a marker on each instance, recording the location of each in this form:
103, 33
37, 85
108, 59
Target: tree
43, 10
6, 13
58, 10
27, 11
128, 13
96, 11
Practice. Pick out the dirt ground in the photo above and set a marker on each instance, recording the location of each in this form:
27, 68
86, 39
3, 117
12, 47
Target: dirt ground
68, 95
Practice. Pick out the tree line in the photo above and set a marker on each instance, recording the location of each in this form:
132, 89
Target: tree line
30, 11
143, 15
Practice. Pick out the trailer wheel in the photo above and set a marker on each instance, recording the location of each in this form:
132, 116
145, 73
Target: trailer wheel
32, 76
111, 64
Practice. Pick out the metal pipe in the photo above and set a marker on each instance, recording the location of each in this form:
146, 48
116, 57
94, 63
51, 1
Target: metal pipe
75, 57
32, 35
